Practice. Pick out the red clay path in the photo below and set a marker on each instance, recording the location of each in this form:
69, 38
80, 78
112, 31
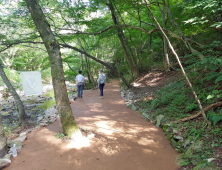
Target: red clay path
123, 140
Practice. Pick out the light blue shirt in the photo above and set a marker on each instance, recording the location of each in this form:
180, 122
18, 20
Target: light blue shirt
80, 78
102, 78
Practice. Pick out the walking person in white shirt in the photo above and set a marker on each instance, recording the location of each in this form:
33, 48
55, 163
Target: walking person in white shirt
101, 82
80, 83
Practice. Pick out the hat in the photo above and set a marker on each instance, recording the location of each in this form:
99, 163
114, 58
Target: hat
101, 70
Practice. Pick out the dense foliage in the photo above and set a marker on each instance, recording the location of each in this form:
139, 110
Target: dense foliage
123, 35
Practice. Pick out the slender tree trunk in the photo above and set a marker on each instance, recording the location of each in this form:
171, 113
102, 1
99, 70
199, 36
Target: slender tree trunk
99, 61
86, 60
88, 69
69, 125
123, 41
178, 60
18, 102
165, 47
3, 139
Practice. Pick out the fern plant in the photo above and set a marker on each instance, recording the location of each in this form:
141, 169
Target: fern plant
213, 117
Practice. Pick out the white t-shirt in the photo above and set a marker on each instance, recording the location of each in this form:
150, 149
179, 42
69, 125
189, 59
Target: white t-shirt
80, 78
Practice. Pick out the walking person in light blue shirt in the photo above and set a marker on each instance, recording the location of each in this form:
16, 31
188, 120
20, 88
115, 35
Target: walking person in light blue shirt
80, 83
101, 82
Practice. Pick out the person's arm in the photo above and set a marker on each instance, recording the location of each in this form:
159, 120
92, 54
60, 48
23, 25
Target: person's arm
84, 82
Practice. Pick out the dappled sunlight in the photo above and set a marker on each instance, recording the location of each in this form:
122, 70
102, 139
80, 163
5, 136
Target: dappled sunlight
136, 84
117, 102
95, 107
149, 151
145, 141
109, 150
136, 129
79, 143
151, 79
106, 127
121, 139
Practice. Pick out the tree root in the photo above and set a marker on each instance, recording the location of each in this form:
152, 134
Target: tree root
199, 113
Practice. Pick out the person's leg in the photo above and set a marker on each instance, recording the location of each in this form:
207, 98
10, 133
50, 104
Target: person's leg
81, 91
78, 91
102, 86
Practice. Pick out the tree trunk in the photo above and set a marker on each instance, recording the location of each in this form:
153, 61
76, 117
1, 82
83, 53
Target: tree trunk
123, 41
69, 125
3, 139
165, 47
99, 61
183, 71
18, 102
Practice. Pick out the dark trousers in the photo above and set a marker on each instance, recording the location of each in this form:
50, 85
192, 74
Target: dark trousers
101, 86
80, 90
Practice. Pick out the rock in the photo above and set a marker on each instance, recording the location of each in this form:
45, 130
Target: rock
84, 128
158, 120
178, 137
51, 112
43, 124
21, 138
39, 118
131, 101
194, 147
18, 144
211, 159
4, 163
28, 131
90, 135
44, 121
8, 156
37, 127
175, 130
128, 104
145, 115
134, 107
52, 120
195, 161
188, 141
23, 133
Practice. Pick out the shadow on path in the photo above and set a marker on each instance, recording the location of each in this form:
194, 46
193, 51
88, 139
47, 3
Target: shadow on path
123, 141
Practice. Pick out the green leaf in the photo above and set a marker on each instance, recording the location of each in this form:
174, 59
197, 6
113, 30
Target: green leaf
219, 95
218, 79
210, 96
216, 119
216, 91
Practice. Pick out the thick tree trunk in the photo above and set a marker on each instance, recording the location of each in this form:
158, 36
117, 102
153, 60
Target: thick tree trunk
18, 102
3, 139
183, 71
69, 125
123, 41
99, 61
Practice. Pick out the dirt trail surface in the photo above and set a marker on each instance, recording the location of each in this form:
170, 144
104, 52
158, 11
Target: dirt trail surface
123, 140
